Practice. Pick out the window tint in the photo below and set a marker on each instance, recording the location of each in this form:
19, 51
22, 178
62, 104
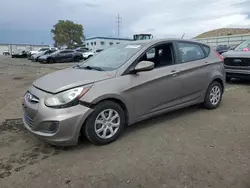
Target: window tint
161, 55
69, 51
189, 51
206, 49
151, 53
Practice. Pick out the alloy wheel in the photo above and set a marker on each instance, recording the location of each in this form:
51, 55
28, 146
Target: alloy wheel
107, 123
215, 95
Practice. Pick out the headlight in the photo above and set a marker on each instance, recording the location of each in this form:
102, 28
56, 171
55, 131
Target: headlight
66, 98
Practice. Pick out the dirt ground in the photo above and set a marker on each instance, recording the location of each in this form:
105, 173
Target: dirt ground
192, 147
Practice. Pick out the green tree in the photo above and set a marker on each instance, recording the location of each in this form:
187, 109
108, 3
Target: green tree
67, 33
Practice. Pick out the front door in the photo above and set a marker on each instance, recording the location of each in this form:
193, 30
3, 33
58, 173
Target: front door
160, 88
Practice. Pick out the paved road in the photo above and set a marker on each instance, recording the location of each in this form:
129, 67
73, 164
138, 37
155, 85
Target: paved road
192, 147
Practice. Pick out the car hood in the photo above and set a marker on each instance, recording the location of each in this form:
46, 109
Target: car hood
88, 53
69, 78
236, 54
34, 52
36, 55
45, 56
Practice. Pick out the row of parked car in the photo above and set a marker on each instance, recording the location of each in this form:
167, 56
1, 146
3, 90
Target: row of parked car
54, 55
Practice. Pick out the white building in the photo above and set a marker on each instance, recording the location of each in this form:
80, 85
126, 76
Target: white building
230, 40
95, 43
14, 47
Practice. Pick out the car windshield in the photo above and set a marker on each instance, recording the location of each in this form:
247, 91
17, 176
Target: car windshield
112, 58
244, 45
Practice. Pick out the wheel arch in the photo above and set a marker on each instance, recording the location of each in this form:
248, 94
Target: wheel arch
117, 100
109, 97
217, 79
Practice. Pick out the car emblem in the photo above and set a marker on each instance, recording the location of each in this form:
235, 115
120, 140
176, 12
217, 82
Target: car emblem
237, 61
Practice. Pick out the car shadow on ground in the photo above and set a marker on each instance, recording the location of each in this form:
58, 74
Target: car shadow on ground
162, 118
242, 82
35, 150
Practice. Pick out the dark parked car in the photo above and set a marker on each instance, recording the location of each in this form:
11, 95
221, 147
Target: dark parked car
237, 61
61, 56
222, 48
47, 52
20, 54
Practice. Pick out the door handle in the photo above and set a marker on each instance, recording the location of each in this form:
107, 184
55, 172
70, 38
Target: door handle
174, 72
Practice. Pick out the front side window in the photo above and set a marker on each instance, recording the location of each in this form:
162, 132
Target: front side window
161, 55
102, 43
189, 51
112, 58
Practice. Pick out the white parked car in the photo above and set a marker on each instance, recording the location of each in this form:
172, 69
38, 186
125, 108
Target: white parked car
89, 54
42, 50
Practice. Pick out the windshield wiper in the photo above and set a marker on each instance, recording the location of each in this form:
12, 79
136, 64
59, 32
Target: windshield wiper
92, 68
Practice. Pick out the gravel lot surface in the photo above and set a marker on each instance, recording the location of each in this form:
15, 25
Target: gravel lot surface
192, 147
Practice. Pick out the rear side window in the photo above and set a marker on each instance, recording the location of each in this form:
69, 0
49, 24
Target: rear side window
206, 50
189, 51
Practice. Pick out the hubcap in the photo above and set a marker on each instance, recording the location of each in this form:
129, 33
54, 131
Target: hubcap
215, 95
107, 123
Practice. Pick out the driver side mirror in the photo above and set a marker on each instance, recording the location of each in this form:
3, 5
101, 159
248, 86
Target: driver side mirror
144, 66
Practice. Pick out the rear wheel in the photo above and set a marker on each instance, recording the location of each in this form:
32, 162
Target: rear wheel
105, 124
213, 95
76, 59
50, 60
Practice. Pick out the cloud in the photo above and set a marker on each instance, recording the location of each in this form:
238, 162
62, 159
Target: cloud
162, 18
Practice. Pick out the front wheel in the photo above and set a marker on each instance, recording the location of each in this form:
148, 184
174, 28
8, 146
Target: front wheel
77, 59
50, 60
105, 124
213, 95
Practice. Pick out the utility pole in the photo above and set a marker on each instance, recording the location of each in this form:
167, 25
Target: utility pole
119, 24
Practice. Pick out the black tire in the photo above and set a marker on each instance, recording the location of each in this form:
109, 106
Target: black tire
89, 126
50, 60
207, 103
77, 59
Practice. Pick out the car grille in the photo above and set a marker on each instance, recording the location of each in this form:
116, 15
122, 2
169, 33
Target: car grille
29, 121
242, 62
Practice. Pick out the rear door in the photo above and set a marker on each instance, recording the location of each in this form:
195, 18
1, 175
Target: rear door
193, 70
69, 55
61, 56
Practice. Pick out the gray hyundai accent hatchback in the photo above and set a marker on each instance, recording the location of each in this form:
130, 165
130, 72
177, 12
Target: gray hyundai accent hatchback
122, 85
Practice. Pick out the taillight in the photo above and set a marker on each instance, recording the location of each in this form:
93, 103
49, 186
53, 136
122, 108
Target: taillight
220, 56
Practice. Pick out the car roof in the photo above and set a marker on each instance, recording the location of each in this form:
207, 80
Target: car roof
150, 42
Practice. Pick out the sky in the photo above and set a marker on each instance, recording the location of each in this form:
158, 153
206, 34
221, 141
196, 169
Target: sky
30, 21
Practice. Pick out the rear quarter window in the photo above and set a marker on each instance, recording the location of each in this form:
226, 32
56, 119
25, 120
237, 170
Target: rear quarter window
206, 50
190, 51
